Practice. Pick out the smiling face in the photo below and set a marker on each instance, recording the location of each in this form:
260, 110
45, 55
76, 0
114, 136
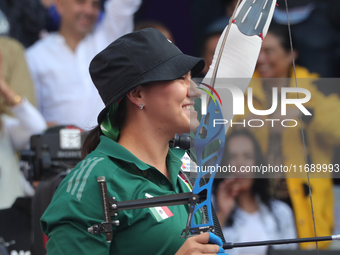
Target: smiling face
170, 105
79, 16
274, 61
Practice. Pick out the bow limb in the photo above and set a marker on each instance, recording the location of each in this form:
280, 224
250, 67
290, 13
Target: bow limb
235, 57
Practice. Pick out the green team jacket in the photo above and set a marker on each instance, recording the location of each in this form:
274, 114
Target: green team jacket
76, 205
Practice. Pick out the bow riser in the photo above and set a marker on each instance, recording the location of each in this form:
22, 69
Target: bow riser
207, 134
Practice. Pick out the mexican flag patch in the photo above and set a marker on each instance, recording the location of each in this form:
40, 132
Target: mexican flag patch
161, 212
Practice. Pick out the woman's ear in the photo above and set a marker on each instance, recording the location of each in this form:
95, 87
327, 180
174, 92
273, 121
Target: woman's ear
136, 96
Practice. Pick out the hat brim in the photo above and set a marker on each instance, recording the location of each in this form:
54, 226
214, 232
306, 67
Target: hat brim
169, 70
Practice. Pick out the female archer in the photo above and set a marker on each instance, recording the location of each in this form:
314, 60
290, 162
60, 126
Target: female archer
145, 83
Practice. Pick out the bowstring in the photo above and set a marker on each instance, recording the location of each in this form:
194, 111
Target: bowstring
302, 130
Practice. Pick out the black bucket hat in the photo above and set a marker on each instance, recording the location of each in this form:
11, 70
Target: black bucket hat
138, 58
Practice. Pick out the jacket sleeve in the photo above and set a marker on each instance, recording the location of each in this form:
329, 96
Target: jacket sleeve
75, 207
28, 122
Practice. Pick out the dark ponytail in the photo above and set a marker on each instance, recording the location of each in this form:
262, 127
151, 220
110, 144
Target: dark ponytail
91, 141
92, 138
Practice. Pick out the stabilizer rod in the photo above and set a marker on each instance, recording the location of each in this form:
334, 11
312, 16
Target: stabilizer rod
228, 246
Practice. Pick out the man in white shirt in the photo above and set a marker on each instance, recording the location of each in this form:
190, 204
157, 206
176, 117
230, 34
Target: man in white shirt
59, 62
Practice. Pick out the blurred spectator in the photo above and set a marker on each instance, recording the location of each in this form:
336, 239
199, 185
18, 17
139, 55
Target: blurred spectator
14, 135
16, 93
19, 119
53, 21
285, 146
157, 25
245, 209
14, 70
26, 19
316, 40
59, 62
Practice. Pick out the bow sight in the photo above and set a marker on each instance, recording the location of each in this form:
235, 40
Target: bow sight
111, 207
